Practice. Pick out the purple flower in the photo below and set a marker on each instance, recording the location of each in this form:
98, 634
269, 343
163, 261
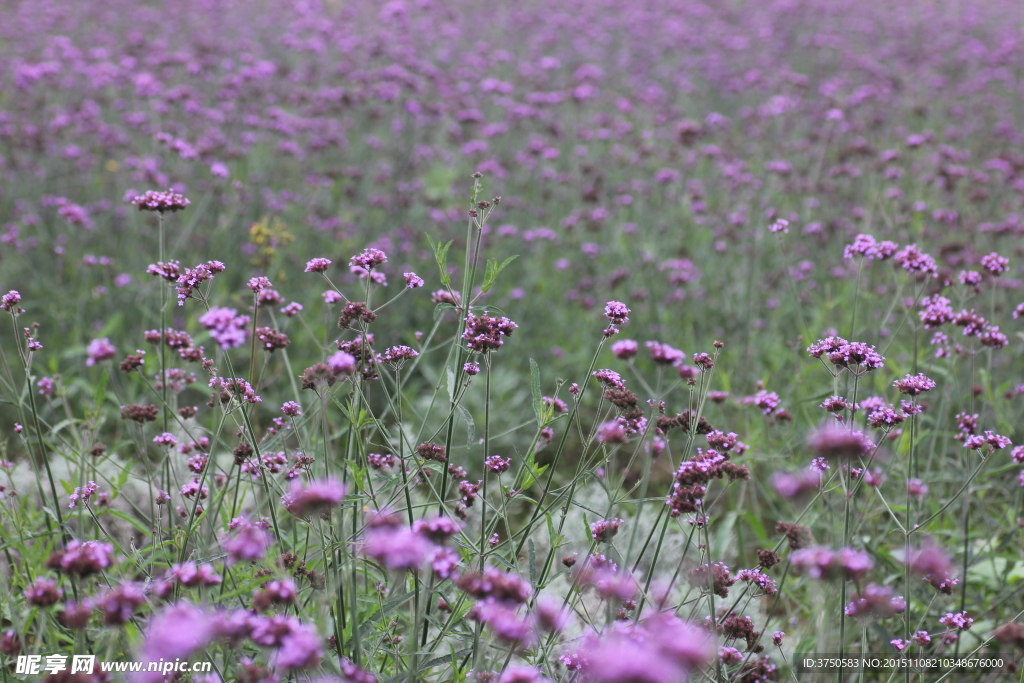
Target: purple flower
616, 312
625, 348
936, 311
188, 281
916, 262
9, 302
237, 387
471, 369
82, 558
396, 547
503, 621
399, 354
663, 354
659, 649
959, 621
837, 443
378, 461
795, 485
445, 562
523, 674
118, 605
412, 280
819, 562
317, 496
497, 585
551, 616
274, 592
497, 464
875, 602
609, 378
166, 439
43, 592
291, 408
160, 201
611, 432
484, 333
246, 542
175, 633
989, 438
971, 278
318, 265
766, 401
82, 493
368, 259
863, 245
914, 385
341, 363
258, 284
757, 577
300, 649
227, 328
603, 530
292, 309
994, 263
99, 350
437, 529
714, 576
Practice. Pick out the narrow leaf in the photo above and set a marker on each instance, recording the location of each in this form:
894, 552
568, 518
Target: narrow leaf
538, 401
470, 425
533, 561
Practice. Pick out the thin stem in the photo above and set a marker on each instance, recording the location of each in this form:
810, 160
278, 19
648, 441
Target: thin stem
487, 446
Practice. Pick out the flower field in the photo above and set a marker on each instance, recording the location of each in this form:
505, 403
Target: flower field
589, 342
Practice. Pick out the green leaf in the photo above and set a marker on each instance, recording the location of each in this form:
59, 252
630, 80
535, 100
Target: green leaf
538, 400
444, 658
441, 256
533, 473
470, 425
128, 518
533, 561
493, 270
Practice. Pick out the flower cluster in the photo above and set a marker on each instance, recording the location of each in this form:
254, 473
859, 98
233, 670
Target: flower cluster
155, 200
226, 326
484, 333
823, 563
856, 357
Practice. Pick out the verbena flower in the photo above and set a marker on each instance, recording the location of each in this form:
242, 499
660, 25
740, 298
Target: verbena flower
819, 562
226, 326
484, 333
625, 348
658, 649
915, 385
318, 265
246, 541
99, 350
82, 558
161, 202
368, 259
302, 500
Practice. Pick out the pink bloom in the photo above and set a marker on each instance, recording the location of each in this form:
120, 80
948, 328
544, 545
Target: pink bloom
99, 350
317, 496
318, 265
